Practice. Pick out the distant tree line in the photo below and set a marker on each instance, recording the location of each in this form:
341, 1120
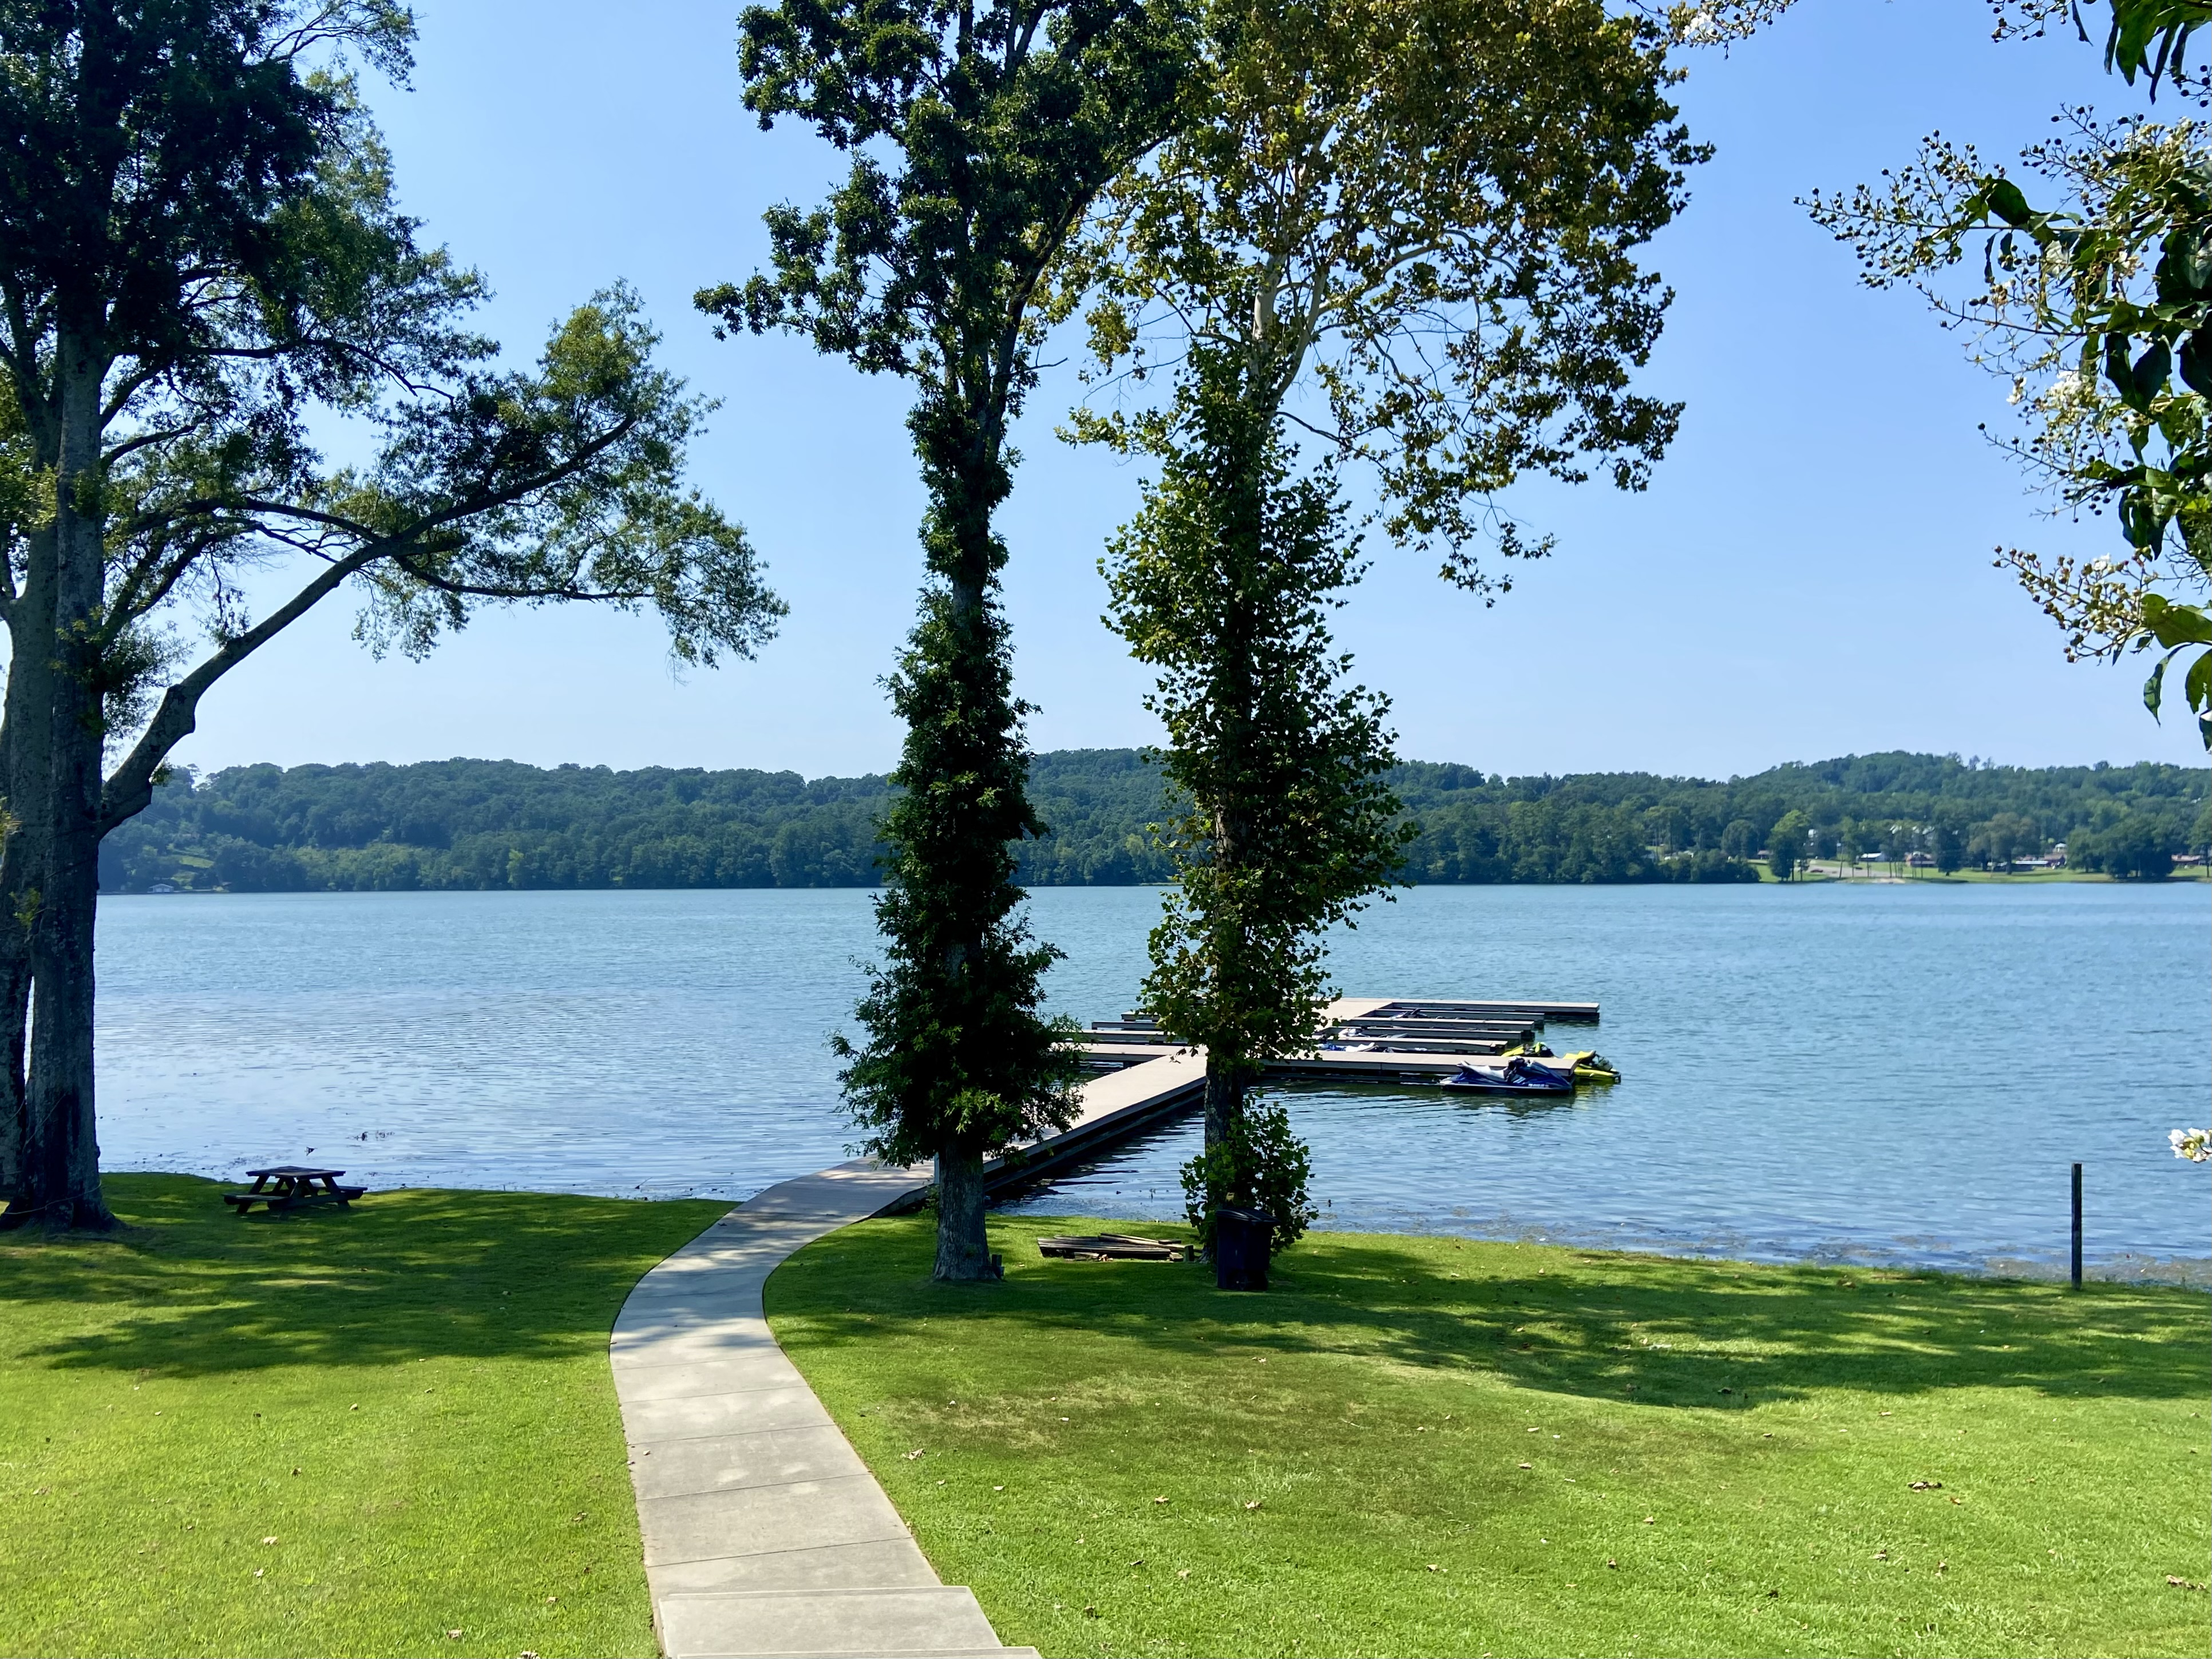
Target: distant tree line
483, 824
1632, 826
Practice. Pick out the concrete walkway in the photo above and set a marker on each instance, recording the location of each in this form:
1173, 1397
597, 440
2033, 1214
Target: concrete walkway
764, 1532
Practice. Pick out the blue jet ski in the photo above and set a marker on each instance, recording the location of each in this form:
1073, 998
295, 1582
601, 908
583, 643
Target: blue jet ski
1516, 1076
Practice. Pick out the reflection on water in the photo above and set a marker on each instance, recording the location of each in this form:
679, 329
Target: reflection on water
1896, 1073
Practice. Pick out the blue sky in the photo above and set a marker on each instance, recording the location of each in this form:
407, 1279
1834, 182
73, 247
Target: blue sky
1809, 574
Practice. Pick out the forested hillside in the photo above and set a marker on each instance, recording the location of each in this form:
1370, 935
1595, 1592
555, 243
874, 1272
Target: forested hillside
467, 824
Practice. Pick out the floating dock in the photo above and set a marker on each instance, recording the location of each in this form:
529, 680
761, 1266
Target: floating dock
1144, 1075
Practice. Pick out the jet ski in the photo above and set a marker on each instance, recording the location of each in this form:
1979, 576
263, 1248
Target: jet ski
1519, 1075
1582, 1065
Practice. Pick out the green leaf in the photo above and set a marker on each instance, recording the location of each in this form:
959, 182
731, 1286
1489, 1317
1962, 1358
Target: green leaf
2171, 277
2002, 197
2154, 686
2198, 263
2119, 371
2152, 370
2197, 685
2137, 23
2196, 362
2140, 521
2176, 625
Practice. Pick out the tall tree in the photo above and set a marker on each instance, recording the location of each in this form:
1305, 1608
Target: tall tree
1224, 583
199, 253
1001, 123
1785, 846
1950, 847
1406, 228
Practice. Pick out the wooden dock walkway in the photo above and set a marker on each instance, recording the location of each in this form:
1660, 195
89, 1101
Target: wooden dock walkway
1400, 1041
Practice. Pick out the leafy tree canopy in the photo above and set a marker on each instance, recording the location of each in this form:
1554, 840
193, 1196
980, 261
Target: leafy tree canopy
1411, 226
202, 267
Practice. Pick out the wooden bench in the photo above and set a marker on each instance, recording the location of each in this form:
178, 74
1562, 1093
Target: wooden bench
292, 1187
1111, 1247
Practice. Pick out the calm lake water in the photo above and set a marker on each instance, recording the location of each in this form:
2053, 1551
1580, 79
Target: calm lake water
1876, 1072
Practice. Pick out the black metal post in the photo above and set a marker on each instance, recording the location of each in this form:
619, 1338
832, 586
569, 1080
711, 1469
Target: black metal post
2077, 1226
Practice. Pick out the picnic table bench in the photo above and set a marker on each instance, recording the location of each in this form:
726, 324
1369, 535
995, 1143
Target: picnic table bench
293, 1185
1111, 1247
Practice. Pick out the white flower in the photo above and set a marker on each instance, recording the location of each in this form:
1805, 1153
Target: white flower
2194, 1144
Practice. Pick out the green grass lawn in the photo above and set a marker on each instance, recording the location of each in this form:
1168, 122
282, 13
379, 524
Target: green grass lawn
337, 1432
1416, 1445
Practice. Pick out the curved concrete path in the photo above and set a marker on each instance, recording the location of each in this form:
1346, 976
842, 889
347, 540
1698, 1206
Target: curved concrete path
764, 1532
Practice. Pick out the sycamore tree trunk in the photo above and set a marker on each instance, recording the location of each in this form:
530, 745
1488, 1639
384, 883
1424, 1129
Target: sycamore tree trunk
1238, 560
963, 1245
1225, 1088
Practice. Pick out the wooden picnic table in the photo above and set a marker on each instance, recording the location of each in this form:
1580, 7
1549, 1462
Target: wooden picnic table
291, 1186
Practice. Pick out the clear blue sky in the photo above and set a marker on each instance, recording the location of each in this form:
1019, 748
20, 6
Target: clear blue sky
1809, 575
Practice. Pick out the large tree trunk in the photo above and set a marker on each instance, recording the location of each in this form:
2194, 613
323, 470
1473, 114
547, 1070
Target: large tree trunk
56, 735
31, 670
14, 986
1225, 1086
14, 1023
963, 1247
60, 1179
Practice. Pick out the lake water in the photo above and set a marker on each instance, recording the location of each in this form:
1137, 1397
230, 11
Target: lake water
1897, 1073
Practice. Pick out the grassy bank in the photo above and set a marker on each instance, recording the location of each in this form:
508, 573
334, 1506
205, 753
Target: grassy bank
387, 1430
1415, 1445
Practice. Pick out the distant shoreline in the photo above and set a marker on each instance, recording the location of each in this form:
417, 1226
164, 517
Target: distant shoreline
1824, 871
486, 825
2187, 877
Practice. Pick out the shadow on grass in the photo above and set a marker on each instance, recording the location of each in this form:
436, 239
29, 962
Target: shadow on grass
191, 1289
1642, 1329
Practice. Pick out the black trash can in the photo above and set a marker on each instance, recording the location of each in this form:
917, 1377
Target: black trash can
1240, 1248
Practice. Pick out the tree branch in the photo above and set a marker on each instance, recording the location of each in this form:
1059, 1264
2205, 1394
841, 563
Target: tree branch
131, 788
